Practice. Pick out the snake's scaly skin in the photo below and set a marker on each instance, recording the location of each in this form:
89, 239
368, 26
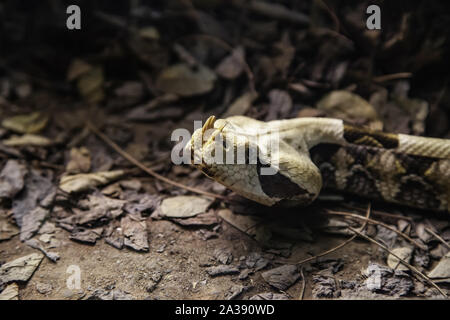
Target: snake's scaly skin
320, 152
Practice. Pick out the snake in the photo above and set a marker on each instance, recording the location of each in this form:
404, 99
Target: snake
321, 153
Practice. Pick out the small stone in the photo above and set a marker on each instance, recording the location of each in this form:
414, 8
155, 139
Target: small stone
161, 248
67, 293
43, 288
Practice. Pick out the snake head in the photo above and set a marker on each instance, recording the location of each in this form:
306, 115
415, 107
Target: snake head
235, 155
203, 142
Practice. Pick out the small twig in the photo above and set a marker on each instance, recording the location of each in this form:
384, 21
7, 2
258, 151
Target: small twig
340, 245
352, 215
302, 293
394, 76
137, 163
437, 237
49, 165
412, 268
380, 213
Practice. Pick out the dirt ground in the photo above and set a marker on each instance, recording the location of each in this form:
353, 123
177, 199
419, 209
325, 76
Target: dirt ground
182, 262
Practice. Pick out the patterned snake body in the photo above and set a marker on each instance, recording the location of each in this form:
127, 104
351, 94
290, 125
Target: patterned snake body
321, 152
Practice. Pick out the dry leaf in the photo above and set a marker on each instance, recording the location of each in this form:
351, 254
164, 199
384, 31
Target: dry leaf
77, 68
7, 229
282, 277
278, 11
27, 140
31, 222
39, 191
233, 65
405, 253
241, 105
82, 182
442, 269
183, 206
90, 85
135, 232
350, 107
184, 80
89, 78
250, 225
150, 33
11, 292
89, 236
280, 105
20, 269
28, 123
12, 179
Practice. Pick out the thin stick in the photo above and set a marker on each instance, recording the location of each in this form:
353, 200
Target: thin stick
437, 237
380, 213
340, 245
130, 158
412, 268
393, 76
302, 293
352, 215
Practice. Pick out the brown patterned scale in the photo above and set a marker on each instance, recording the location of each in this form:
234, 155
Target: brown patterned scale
371, 166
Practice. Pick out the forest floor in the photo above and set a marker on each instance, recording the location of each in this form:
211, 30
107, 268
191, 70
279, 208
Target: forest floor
73, 103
